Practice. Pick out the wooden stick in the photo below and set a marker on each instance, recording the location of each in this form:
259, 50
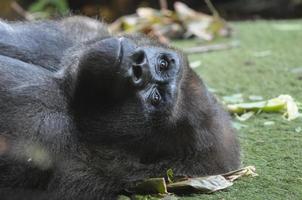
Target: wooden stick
210, 48
20, 11
212, 8
163, 4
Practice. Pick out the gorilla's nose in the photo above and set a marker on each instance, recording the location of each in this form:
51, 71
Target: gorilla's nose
139, 68
136, 61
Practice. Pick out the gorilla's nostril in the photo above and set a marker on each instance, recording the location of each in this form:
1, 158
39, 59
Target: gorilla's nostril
139, 57
139, 68
137, 72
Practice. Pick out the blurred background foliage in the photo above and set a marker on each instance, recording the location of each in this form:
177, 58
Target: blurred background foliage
109, 10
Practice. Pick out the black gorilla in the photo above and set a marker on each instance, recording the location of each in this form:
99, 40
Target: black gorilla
83, 114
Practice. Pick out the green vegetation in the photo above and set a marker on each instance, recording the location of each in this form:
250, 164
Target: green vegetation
267, 63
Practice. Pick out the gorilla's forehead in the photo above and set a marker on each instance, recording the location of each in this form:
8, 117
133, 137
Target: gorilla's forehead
158, 50
143, 40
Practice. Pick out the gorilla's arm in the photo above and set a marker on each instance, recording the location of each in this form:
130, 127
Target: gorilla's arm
40, 43
44, 43
33, 120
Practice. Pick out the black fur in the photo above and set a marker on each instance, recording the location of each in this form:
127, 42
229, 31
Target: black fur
74, 124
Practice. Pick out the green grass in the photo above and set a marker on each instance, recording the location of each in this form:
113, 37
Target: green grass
275, 150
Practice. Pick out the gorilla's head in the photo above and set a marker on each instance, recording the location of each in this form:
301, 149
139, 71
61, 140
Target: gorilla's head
131, 88
154, 73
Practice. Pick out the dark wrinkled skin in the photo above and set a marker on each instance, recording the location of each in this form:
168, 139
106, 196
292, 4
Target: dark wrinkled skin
105, 111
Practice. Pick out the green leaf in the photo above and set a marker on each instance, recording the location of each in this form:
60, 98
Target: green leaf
150, 186
283, 103
170, 175
60, 6
38, 6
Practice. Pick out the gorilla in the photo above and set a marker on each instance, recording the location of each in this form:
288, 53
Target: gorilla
84, 113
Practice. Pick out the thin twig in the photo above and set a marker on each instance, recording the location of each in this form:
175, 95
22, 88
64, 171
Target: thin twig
212, 8
20, 11
210, 48
163, 4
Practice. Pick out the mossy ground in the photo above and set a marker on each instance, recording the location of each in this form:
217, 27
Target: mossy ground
275, 150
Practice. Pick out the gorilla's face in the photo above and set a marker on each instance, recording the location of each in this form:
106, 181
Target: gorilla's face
154, 73
130, 77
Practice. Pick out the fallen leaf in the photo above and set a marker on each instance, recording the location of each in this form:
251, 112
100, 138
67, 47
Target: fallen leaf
123, 197
283, 103
274, 105
292, 110
238, 125
201, 25
195, 64
261, 54
244, 116
154, 197
298, 129
150, 186
157, 189
297, 70
200, 185
187, 14
170, 175
288, 27
166, 24
255, 98
235, 98
246, 171
268, 123
212, 90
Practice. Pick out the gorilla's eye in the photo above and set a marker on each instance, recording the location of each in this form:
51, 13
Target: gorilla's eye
163, 64
155, 97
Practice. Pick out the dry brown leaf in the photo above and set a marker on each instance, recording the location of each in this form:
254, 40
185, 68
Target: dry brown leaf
246, 171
